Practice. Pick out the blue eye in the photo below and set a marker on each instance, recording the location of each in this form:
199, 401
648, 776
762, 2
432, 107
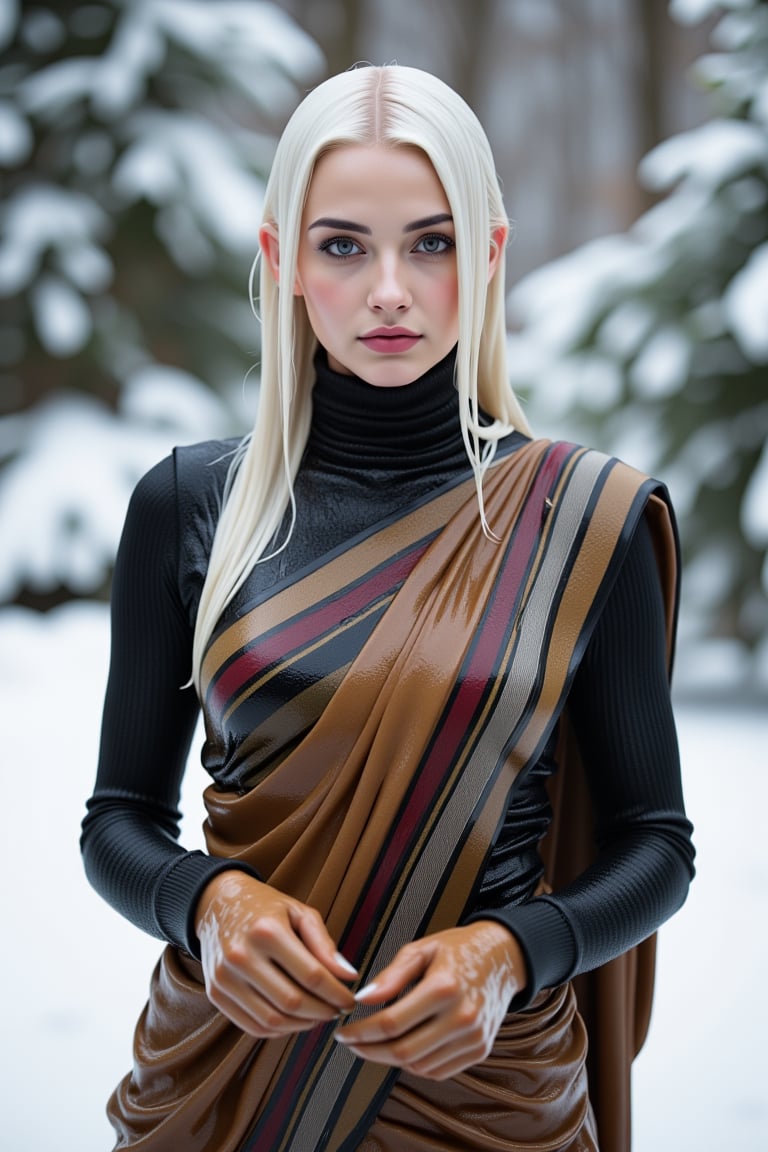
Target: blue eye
434, 244
341, 247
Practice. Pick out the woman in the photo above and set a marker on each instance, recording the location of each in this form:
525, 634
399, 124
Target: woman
399, 611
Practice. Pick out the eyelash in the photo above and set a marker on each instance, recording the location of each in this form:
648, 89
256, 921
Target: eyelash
446, 240
327, 244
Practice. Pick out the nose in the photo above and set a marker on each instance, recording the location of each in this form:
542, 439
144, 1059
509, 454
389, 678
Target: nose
389, 291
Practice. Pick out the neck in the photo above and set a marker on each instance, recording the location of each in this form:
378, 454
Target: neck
364, 425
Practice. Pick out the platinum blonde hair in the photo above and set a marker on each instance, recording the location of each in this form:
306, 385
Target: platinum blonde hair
391, 105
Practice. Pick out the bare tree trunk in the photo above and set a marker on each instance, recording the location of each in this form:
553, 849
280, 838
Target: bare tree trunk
345, 48
336, 25
473, 21
651, 24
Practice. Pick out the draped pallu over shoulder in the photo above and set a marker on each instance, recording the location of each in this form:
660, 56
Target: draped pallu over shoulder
374, 792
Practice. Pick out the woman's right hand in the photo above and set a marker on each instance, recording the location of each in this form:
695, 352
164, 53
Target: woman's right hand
269, 963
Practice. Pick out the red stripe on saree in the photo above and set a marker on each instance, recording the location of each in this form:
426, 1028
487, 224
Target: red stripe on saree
306, 629
481, 666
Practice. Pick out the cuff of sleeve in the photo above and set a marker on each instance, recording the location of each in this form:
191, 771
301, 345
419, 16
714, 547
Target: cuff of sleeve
547, 942
179, 891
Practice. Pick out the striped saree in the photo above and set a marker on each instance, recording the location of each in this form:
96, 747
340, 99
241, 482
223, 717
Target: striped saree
386, 700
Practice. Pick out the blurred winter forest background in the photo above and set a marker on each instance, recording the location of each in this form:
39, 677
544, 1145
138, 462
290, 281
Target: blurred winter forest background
631, 137
632, 141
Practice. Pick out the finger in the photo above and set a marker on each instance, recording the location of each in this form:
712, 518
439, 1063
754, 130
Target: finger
446, 1059
428, 1000
316, 981
389, 1024
447, 1062
442, 1046
256, 1017
278, 943
263, 991
288, 998
428, 1042
314, 934
409, 964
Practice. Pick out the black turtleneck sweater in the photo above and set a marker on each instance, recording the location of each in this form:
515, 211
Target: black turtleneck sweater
372, 451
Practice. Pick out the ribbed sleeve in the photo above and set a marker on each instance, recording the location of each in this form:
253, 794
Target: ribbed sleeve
129, 837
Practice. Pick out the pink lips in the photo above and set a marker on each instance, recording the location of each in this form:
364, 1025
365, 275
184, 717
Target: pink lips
390, 339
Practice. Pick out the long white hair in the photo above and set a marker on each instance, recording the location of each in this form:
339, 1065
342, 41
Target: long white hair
391, 105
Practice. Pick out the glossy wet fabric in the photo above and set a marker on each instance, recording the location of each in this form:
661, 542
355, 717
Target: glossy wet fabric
375, 792
530, 1093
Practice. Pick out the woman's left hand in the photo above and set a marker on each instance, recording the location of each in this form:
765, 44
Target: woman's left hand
464, 980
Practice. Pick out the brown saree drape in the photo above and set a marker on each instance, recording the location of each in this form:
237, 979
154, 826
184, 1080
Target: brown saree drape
375, 792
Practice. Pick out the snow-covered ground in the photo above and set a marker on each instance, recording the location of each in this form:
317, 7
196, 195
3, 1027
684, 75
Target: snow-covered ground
75, 974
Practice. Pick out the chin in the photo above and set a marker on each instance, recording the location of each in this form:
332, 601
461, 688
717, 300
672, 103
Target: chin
394, 372
387, 378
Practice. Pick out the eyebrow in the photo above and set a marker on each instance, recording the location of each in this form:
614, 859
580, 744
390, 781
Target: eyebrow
350, 226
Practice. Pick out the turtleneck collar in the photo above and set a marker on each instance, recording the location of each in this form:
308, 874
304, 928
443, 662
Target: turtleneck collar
364, 425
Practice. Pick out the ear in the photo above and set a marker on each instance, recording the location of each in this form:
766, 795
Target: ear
269, 241
498, 244
270, 248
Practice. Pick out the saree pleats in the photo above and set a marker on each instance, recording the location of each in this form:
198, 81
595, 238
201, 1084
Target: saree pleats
386, 701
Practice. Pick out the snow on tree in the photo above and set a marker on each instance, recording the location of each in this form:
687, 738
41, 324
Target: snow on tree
135, 136
654, 345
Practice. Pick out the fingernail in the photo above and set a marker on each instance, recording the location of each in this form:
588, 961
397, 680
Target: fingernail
367, 991
342, 960
341, 1039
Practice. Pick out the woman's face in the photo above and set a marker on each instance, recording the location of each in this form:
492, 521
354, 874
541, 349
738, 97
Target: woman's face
377, 263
